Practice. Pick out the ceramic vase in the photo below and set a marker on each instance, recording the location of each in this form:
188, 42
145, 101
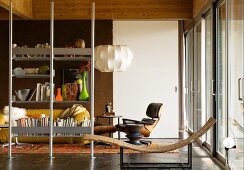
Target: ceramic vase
84, 95
59, 96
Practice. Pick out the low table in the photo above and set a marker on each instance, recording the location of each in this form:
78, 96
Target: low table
159, 165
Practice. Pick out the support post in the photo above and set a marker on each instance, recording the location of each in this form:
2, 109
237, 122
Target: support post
92, 75
51, 79
10, 76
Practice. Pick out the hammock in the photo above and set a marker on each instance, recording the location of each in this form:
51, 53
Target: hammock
157, 149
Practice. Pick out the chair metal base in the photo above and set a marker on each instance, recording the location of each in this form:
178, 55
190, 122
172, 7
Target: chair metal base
131, 165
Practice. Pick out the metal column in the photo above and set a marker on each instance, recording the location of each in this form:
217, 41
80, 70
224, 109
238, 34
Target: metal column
92, 75
51, 79
10, 76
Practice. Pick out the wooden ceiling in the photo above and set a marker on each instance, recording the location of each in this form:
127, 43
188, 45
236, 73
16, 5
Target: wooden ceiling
105, 9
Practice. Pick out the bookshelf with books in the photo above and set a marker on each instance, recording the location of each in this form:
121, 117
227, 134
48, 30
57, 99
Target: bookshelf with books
43, 91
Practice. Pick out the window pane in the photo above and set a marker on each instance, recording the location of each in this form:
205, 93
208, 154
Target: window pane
221, 78
197, 77
189, 78
209, 72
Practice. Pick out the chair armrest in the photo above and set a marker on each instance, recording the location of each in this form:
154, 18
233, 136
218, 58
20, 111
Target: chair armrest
144, 121
147, 121
130, 121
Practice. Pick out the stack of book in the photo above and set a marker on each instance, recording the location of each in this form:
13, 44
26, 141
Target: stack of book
33, 122
45, 122
70, 122
43, 91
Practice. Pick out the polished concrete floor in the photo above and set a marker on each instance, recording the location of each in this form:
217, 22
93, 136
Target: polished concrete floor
201, 160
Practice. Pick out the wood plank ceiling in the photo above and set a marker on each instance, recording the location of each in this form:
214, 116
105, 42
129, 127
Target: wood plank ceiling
21, 8
113, 9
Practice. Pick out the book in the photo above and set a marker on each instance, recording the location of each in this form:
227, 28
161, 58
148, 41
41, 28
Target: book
32, 94
38, 92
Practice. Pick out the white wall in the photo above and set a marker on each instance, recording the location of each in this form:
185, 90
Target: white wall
153, 74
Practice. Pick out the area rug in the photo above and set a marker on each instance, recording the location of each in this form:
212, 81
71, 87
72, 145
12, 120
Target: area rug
68, 148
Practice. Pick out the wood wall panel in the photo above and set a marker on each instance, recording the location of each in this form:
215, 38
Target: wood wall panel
33, 32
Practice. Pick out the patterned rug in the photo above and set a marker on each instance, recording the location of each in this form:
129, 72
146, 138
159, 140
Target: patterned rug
68, 148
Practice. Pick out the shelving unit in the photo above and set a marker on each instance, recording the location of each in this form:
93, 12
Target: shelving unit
51, 54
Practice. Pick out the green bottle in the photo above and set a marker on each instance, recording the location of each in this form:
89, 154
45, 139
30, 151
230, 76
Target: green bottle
84, 96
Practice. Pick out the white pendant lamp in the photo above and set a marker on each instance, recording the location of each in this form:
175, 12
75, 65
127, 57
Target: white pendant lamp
112, 58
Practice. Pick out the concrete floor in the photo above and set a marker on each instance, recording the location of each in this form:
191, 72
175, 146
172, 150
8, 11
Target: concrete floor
201, 160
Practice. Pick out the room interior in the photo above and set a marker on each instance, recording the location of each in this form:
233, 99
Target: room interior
184, 54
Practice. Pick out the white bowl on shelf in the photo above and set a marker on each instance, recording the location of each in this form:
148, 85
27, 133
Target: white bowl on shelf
18, 72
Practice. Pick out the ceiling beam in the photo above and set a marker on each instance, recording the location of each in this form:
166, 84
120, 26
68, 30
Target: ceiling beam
115, 9
21, 8
105, 9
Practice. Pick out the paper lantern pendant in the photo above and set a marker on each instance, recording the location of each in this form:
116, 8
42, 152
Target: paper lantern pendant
111, 58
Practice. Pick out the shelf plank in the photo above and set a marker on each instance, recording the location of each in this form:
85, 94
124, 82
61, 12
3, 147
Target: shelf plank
72, 58
32, 76
46, 130
30, 51
56, 102
72, 130
24, 130
31, 58
71, 102
55, 58
30, 102
72, 51
4, 126
67, 104
46, 104
46, 51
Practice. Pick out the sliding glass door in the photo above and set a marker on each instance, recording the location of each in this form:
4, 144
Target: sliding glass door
215, 78
236, 81
221, 89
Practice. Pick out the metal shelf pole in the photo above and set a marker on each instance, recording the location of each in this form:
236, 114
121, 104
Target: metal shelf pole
51, 79
92, 74
10, 76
